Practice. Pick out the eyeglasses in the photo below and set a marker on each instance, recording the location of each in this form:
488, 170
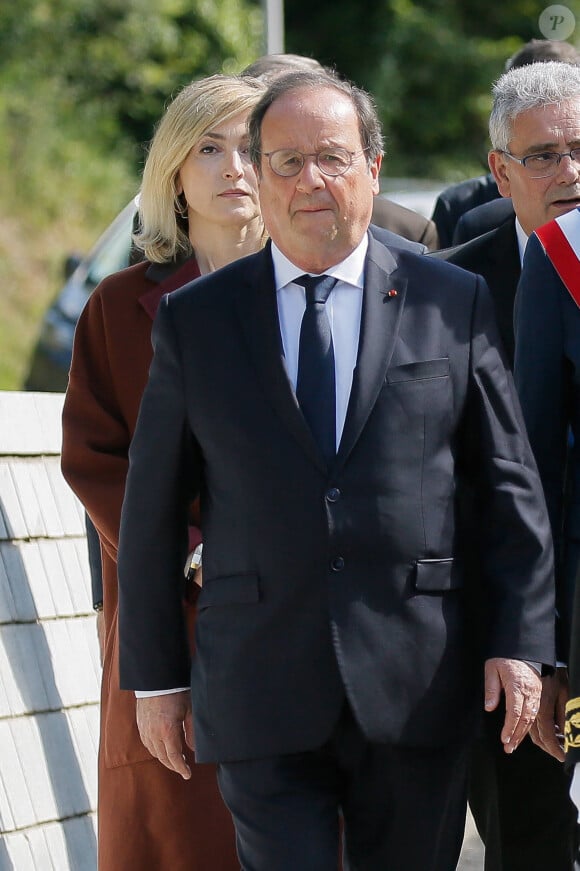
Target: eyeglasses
330, 161
544, 163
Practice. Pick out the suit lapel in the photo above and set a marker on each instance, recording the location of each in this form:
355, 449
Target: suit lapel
258, 312
506, 255
383, 302
503, 275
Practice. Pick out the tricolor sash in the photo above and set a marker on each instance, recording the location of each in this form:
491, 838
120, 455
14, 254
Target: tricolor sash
561, 242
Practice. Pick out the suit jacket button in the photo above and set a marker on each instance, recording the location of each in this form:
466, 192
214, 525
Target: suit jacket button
337, 564
333, 495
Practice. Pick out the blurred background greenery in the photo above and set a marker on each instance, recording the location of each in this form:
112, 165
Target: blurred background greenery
82, 83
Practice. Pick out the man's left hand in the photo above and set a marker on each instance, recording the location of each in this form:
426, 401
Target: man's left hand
548, 730
522, 687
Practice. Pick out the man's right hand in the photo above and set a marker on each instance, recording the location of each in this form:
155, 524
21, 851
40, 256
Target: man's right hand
163, 722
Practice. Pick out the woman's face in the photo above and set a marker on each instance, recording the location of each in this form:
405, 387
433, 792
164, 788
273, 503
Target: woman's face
217, 177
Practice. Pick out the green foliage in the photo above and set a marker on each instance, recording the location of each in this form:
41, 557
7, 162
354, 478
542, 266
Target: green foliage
82, 83
429, 65
120, 60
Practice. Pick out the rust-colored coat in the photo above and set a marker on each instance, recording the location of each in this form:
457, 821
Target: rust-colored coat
148, 817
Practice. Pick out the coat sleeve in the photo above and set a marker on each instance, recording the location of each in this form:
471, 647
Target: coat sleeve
165, 466
95, 434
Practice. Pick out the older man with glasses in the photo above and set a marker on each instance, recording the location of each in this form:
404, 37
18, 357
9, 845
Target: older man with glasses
338, 395
521, 804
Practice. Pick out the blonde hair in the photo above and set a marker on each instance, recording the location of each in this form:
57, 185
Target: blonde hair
197, 108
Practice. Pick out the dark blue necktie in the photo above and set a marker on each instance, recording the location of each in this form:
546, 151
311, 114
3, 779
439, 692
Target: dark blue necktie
315, 387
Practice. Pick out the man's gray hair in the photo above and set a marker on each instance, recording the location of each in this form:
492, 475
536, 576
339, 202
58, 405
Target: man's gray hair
529, 87
368, 120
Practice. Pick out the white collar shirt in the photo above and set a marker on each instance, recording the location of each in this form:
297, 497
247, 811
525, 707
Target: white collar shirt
344, 309
522, 238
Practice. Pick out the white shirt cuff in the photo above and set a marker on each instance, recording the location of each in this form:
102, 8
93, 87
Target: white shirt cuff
147, 694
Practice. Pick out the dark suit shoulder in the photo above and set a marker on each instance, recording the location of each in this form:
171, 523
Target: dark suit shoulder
469, 254
394, 240
497, 246
213, 289
436, 274
483, 218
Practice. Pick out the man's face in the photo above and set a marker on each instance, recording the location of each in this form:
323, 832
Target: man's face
538, 200
316, 220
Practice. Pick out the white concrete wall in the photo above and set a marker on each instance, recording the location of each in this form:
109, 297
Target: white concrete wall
49, 661
49, 664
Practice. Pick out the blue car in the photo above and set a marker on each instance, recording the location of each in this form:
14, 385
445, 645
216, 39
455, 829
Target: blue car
51, 357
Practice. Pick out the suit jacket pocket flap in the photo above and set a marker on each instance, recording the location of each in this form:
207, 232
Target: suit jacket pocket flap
436, 575
438, 368
230, 590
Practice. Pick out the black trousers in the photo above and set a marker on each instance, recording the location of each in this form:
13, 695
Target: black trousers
401, 809
521, 805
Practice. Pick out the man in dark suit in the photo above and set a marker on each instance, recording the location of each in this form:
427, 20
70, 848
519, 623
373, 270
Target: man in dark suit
336, 666
547, 366
457, 199
521, 805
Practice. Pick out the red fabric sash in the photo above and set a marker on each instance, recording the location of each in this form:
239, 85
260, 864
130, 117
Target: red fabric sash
562, 255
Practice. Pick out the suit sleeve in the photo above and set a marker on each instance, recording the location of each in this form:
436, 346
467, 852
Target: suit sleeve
162, 481
515, 534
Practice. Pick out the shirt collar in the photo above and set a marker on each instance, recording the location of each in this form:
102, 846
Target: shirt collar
350, 270
522, 238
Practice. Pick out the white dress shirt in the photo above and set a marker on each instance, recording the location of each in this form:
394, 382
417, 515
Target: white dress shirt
522, 238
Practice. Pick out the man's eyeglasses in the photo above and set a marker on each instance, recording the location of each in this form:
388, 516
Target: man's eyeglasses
330, 161
544, 163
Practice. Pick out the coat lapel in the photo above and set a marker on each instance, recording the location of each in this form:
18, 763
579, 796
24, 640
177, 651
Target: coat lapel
166, 277
383, 302
258, 312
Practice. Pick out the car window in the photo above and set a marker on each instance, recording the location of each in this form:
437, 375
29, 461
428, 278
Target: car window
113, 253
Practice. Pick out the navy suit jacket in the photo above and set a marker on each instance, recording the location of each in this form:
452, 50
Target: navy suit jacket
547, 373
329, 583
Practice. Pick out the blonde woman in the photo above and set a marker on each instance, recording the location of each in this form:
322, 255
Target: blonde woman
199, 210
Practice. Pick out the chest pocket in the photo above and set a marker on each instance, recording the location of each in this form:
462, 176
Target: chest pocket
418, 391
420, 370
